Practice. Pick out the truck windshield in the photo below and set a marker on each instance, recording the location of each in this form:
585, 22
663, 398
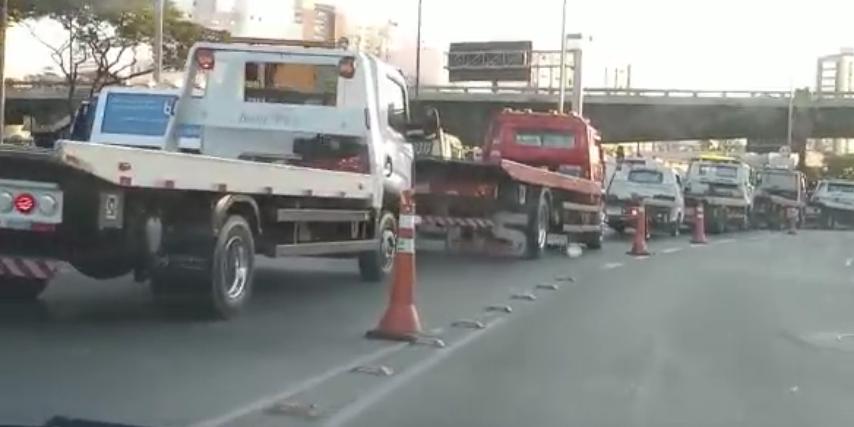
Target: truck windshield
779, 181
840, 188
646, 176
289, 83
545, 139
723, 171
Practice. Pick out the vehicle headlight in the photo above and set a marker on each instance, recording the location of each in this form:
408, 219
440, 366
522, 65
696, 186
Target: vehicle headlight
47, 205
6, 202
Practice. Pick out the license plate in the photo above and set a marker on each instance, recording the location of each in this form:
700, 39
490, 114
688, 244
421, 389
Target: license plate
15, 224
614, 211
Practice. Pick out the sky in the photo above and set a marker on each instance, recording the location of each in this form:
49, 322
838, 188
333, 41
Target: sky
687, 44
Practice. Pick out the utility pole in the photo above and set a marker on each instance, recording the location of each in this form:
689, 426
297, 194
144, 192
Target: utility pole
159, 6
562, 72
4, 21
418, 53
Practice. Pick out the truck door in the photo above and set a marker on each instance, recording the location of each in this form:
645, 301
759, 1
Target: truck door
394, 118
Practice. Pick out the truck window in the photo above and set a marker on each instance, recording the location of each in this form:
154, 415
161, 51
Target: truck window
779, 181
723, 171
641, 176
545, 139
284, 83
840, 188
394, 98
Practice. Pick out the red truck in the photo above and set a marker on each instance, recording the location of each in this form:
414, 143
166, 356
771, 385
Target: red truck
538, 180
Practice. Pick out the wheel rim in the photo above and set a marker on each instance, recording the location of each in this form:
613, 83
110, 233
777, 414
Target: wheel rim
235, 266
388, 246
542, 224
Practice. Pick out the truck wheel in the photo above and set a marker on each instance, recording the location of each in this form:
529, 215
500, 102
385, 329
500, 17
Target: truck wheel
376, 265
16, 289
224, 288
536, 232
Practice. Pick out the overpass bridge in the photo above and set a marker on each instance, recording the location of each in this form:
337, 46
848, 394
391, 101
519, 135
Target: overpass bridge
633, 115
621, 115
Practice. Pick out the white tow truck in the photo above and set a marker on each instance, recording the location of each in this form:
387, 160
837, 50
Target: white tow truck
301, 152
722, 185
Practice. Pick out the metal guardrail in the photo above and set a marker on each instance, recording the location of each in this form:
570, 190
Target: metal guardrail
615, 92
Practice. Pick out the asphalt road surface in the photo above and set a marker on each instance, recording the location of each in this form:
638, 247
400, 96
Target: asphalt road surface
751, 330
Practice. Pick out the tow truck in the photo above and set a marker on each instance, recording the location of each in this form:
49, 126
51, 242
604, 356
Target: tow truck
301, 152
780, 191
538, 180
721, 184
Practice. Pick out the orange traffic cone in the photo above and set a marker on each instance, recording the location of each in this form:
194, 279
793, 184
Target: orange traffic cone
699, 237
792, 214
400, 321
639, 244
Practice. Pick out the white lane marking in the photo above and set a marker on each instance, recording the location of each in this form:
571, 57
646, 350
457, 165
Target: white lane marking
611, 265
849, 261
307, 384
351, 411
725, 241
671, 250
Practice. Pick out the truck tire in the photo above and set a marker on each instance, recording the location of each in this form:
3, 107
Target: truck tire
223, 289
17, 289
536, 232
376, 265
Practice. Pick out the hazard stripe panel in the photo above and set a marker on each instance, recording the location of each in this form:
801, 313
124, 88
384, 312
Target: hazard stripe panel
448, 221
28, 268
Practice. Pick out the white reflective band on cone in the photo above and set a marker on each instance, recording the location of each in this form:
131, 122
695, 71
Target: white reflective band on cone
406, 246
407, 221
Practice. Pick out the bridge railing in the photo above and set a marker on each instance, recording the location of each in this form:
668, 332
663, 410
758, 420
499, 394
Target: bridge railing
594, 91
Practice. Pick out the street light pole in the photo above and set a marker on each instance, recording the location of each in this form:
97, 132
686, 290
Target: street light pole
4, 20
418, 53
562, 71
159, 6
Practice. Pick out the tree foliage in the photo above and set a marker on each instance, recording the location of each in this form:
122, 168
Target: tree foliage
106, 37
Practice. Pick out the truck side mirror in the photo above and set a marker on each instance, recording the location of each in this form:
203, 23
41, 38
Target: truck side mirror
397, 119
431, 121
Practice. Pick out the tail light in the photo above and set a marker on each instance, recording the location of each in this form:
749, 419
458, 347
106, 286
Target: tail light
205, 59
347, 67
25, 203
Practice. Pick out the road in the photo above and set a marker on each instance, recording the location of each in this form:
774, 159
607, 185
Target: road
750, 330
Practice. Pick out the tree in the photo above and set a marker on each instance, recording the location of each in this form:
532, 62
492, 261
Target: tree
105, 38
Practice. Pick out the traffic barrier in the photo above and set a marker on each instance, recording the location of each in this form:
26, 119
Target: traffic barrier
699, 237
639, 242
792, 216
400, 321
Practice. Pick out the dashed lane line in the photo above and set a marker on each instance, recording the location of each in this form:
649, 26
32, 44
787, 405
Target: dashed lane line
611, 265
671, 250
849, 261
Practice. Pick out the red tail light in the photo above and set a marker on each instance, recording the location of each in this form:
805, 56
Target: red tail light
25, 203
205, 59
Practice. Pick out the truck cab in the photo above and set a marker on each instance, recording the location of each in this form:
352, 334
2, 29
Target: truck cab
778, 190
722, 185
563, 143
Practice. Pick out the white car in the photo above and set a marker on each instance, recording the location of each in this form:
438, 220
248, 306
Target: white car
659, 187
833, 203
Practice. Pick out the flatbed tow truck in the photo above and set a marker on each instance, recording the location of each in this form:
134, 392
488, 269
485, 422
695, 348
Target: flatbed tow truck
537, 181
302, 153
721, 184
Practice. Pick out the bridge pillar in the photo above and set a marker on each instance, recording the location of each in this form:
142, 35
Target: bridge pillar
803, 123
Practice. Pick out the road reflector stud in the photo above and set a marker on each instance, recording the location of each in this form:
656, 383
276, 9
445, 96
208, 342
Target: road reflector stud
525, 297
295, 409
501, 308
548, 287
468, 323
378, 370
429, 341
